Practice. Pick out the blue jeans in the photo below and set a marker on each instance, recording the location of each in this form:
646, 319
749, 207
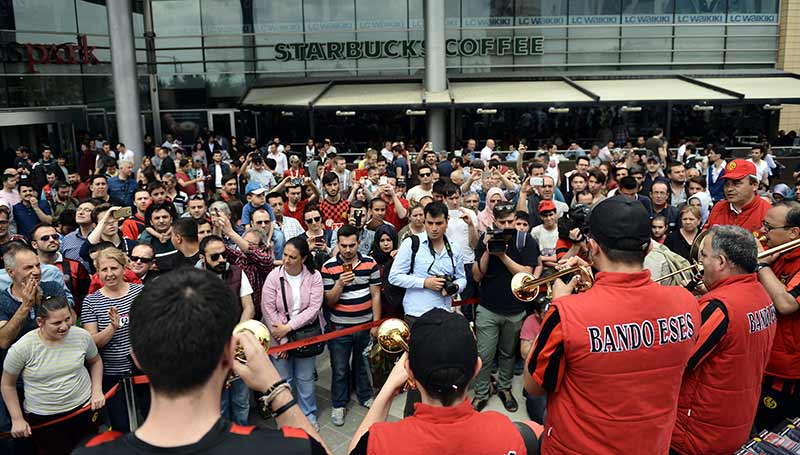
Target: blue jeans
340, 350
299, 373
116, 406
236, 402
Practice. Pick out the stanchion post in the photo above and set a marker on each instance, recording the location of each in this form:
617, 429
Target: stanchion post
130, 403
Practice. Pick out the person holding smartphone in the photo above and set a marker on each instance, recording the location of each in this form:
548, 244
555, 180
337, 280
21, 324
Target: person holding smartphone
319, 240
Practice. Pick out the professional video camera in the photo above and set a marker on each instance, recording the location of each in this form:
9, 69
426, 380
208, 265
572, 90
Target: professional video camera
577, 217
500, 239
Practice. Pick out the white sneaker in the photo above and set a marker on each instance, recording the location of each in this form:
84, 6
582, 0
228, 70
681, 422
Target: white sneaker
337, 416
368, 404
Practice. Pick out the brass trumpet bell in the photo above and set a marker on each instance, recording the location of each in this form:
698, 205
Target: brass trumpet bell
393, 336
258, 329
525, 287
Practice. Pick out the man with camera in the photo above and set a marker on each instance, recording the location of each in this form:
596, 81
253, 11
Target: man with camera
259, 172
611, 359
501, 252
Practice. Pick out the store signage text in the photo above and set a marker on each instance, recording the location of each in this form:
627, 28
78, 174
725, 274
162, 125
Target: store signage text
354, 50
48, 54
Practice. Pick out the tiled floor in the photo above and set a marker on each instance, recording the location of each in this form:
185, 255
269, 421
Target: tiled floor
338, 438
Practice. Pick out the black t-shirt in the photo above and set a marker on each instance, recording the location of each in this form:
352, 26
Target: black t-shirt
496, 293
224, 438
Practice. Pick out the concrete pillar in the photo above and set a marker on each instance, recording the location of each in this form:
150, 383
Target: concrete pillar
435, 69
789, 57
123, 68
152, 71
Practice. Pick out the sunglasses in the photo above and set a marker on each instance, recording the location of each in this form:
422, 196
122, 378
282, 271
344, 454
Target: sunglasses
426, 174
315, 219
261, 222
214, 257
47, 238
141, 259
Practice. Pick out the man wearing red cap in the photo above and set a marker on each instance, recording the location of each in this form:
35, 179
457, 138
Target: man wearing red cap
741, 206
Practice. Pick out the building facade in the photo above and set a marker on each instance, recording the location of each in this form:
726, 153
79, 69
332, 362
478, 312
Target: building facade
200, 58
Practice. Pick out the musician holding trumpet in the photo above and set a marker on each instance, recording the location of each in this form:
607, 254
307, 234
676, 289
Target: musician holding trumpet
779, 274
611, 358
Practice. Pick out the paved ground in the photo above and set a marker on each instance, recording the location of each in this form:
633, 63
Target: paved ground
338, 438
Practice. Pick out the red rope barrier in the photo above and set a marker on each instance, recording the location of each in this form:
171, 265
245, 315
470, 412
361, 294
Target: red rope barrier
143, 379
87, 407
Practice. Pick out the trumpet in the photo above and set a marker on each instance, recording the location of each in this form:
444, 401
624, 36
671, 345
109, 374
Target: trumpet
260, 331
393, 335
525, 287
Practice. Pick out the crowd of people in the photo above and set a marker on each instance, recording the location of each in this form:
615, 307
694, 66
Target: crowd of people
101, 261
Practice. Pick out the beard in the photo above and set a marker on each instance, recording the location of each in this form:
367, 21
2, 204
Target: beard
219, 268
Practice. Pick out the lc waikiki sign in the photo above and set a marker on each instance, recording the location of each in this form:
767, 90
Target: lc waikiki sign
48, 54
354, 50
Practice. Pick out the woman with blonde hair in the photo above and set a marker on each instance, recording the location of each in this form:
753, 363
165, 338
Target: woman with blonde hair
104, 315
680, 240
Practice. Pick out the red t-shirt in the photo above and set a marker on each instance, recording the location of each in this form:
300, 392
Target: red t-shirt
530, 328
391, 214
190, 189
750, 217
297, 213
294, 173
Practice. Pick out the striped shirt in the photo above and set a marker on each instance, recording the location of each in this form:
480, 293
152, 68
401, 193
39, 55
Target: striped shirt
355, 303
115, 354
54, 377
71, 247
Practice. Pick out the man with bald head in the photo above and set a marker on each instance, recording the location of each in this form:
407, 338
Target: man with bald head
486, 153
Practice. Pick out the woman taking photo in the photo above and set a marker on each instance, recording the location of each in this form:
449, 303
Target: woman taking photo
104, 315
61, 372
292, 299
320, 241
384, 248
680, 240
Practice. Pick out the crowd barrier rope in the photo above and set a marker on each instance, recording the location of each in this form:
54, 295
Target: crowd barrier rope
127, 383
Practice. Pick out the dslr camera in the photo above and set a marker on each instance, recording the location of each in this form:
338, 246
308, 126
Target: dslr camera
450, 286
577, 217
297, 181
500, 240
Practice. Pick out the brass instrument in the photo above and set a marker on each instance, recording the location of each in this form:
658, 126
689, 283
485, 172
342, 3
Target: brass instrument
260, 331
525, 287
695, 266
393, 335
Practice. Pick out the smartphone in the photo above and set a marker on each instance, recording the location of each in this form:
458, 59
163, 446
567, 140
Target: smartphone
383, 180
124, 212
346, 268
537, 181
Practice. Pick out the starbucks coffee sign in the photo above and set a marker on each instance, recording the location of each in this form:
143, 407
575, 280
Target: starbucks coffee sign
355, 50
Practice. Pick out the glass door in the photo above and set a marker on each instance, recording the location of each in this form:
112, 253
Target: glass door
222, 123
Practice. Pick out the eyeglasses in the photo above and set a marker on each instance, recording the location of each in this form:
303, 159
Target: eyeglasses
426, 174
3, 222
315, 219
47, 238
772, 228
214, 257
143, 260
262, 222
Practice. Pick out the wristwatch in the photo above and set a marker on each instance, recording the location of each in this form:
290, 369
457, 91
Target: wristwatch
761, 265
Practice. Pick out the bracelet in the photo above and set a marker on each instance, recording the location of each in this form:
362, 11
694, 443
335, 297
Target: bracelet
761, 265
274, 394
284, 408
273, 386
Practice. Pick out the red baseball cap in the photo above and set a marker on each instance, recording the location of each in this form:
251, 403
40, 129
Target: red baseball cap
546, 205
739, 169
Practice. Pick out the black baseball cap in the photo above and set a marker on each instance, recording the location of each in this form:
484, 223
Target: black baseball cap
441, 339
620, 224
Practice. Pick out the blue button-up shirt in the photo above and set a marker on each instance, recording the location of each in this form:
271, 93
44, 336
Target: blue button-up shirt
419, 299
123, 189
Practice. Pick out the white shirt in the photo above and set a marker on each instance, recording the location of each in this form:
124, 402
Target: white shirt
605, 154
552, 168
217, 176
486, 154
561, 208
762, 169
332, 149
294, 282
388, 155
281, 163
128, 155
458, 232
417, 193
546, 239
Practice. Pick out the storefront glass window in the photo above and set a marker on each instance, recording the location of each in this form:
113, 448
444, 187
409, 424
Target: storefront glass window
548, 13
330, 20
590, 43
178, 41
381, 21
277, 22
647, 31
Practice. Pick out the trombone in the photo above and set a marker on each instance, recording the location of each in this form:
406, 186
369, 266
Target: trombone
525, 287
393, 335
260, 331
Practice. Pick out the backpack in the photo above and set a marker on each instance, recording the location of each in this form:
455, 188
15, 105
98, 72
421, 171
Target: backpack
393, 295
672, 263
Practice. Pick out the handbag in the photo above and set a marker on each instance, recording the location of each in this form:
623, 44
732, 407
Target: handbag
312, 329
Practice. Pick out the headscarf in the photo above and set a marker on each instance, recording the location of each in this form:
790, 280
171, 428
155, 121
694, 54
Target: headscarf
705, 204
376, 252
486, 216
